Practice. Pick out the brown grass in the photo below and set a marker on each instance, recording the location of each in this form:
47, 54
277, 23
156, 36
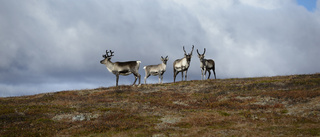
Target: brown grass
266, 106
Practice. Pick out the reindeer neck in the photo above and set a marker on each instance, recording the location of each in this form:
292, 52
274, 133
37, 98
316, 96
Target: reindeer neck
164, 65
109, 65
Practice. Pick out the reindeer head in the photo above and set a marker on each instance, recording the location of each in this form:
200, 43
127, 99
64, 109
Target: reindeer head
188, 56
107, 57
164, 60
201, 56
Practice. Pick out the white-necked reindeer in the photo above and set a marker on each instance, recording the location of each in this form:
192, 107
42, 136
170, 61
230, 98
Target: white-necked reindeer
155, 70
206, 65
182, 65
121, 68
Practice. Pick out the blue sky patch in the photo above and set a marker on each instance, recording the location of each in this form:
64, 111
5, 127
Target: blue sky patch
310, 5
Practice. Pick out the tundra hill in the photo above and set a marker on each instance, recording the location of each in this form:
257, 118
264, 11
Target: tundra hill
266, 106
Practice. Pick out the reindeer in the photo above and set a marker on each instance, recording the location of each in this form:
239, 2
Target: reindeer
155, 70
206, 65
182, 65
121, 68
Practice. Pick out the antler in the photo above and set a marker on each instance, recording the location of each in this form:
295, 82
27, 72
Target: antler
107, 54
192, 49
198, 52
184, 50
202, 53
111, 53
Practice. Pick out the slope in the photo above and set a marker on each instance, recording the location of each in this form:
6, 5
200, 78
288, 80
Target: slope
265, 106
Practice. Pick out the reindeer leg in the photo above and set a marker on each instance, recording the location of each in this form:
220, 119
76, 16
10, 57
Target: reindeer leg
135, 80
145, 78
162, 77
186, 75
136, 76
175, 73
117, 75
209, 74
139, 79
182, 75
202, 74
205, 74
214, 71
159, 73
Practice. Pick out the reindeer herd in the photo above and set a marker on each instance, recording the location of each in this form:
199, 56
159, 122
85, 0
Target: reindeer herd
180, 65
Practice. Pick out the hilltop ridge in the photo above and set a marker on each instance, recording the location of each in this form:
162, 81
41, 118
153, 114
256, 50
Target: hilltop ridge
264, 106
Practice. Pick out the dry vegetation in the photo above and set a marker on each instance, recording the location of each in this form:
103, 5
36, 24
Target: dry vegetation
267, 106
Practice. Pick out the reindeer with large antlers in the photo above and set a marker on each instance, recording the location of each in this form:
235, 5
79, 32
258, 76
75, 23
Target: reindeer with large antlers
206, 65
121, 68
182, 65
155, 70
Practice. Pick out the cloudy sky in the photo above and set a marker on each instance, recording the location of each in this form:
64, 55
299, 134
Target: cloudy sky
56, 45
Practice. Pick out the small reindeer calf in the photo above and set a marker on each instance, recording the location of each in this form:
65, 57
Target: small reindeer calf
155, 70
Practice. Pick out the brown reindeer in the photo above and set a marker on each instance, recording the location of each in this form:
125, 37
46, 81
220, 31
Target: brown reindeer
206, 65
121, 68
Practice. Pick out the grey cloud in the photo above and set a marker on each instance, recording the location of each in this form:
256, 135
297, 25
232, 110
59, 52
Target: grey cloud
57, 45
